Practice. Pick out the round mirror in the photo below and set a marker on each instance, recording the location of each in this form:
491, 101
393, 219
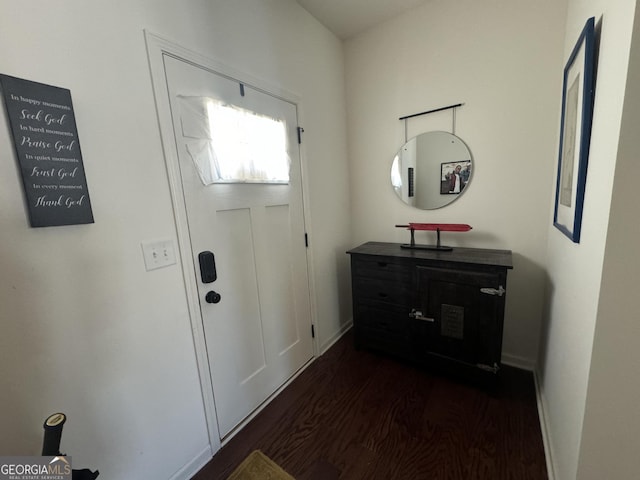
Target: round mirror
431, 170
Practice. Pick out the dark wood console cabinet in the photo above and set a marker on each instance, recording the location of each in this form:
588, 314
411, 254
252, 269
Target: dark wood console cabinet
441, 308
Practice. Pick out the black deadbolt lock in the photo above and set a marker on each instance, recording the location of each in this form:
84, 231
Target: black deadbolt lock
207, 267
212, 297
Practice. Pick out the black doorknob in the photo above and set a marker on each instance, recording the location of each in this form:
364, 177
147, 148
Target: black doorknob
212, 297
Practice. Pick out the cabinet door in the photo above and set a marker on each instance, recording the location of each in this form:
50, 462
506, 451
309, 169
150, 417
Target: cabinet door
461, 315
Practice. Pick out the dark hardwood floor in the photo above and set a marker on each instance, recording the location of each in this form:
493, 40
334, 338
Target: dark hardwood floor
359, 415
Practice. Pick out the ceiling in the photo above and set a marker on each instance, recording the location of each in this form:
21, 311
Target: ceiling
347, 18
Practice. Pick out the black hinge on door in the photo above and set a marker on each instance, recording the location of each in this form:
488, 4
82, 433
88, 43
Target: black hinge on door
313, 331
242, 90
306, 240
300, 130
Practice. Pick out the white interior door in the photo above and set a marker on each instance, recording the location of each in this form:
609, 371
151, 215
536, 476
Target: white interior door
259, 333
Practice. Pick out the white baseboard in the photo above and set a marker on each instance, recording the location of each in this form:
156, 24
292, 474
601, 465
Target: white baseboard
544, 429
194, 466
337, 336
526, 364
518, 362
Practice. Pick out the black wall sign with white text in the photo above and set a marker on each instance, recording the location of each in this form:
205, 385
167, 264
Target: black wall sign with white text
46, 142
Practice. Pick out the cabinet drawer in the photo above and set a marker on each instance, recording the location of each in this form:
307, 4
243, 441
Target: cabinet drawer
383, 319
383, 270
381, 291
380, 328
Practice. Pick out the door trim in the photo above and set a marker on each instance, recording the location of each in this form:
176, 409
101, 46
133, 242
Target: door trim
157, 48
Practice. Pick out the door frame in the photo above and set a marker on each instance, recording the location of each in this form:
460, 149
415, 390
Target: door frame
157, 48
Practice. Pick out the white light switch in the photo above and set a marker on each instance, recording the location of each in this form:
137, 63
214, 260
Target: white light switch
158, 253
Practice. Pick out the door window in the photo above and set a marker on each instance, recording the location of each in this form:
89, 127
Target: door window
231, 144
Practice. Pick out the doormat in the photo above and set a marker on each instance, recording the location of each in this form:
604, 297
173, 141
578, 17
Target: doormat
257, 466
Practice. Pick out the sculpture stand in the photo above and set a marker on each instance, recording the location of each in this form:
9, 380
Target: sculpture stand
437, 227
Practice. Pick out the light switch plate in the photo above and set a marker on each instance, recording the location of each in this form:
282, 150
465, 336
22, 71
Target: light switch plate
158, 254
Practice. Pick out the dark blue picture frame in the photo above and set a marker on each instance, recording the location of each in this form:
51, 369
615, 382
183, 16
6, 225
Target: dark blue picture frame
575, 134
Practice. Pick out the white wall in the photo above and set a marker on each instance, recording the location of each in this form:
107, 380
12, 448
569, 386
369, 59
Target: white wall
503, 59
610, 442
574, 305
85, 329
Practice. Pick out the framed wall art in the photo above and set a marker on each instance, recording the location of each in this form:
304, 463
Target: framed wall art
575, 133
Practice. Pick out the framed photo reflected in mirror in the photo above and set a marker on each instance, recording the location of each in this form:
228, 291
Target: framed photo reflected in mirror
454, 176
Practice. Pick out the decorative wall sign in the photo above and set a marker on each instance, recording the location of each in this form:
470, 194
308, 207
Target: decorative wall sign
575, 134
45, 137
